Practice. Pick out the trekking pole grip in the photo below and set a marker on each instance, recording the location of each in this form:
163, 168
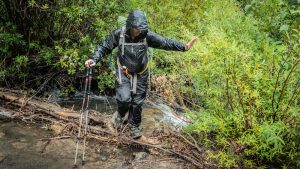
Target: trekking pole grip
89, 74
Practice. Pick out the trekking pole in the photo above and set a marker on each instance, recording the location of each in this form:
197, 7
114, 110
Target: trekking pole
86, 113
85, 100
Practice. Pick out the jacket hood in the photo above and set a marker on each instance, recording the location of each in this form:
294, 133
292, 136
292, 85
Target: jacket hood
137, 19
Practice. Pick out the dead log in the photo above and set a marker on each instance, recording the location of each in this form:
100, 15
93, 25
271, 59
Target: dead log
48, 108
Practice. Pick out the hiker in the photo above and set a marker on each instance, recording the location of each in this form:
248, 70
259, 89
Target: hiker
132, 64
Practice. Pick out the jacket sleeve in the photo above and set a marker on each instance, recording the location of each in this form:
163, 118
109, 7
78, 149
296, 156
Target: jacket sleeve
107, 45
156, 41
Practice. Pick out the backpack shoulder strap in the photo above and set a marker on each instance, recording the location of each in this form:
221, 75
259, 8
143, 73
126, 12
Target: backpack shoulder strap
122, 39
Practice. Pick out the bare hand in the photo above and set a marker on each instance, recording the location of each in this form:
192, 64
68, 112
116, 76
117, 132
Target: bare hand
90, 63
190, 43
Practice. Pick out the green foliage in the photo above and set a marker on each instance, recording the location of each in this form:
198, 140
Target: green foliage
9, 39
275, 16
46, 127
266, 140
249, 83
106, 79
61, 36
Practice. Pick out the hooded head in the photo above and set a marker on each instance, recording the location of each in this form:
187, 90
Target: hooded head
137, 20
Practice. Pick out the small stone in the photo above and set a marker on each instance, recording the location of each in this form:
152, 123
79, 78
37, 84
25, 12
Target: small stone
117, 151
140, 156
23, 140
153, 151
103, 157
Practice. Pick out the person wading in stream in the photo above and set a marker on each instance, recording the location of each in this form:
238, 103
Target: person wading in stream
132, 64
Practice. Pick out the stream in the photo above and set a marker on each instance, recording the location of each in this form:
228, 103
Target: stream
27, 146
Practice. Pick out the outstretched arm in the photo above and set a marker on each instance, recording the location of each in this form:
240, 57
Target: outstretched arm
156, 41
190, 43
104, 48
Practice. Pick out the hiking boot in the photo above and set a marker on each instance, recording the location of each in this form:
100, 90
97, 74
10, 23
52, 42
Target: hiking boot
117, 120
135, 132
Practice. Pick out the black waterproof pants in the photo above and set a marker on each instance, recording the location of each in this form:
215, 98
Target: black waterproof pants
129, 102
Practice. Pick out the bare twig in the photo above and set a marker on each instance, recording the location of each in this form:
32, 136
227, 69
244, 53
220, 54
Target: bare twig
56, 138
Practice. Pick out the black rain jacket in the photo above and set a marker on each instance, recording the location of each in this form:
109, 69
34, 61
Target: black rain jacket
135, 57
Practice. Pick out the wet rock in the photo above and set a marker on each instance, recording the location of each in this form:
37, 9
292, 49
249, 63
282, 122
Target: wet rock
103, 157
138, 156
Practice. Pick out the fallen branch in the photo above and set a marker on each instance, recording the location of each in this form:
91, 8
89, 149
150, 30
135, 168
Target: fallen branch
56, 138
51, 109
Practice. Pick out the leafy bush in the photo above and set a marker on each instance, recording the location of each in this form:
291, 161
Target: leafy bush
60, 37
249, 83
244, 71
